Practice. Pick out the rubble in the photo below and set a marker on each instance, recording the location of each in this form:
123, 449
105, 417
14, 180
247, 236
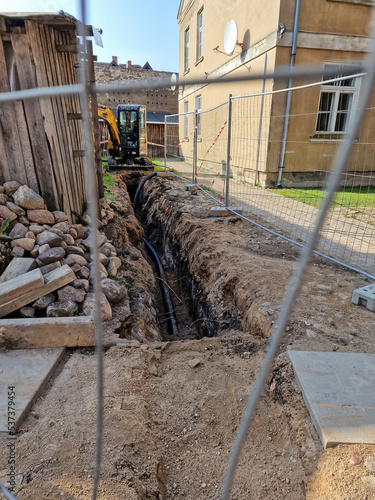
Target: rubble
46, 240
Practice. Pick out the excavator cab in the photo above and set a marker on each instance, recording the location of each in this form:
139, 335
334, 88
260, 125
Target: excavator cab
131, 123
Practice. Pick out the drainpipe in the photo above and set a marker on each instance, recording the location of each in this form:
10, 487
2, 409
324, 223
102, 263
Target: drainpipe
289, 95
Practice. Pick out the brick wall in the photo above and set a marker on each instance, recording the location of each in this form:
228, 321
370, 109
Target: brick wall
161, 101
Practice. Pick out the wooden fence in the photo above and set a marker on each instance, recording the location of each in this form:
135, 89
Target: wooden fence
41, 140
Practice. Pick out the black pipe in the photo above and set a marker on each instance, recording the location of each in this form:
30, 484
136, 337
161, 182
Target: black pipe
168, 305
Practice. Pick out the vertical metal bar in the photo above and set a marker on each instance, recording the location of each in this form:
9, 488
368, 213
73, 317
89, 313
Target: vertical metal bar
165, 142
228, 150
195, 136
92, 197
260, 123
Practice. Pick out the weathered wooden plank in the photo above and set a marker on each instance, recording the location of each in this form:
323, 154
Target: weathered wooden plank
80, 153
64, 47
40, 333
52, 281
35, 124
20, 285
74, 116
11, 160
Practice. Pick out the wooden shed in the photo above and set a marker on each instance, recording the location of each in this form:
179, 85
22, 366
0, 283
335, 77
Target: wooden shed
41, 141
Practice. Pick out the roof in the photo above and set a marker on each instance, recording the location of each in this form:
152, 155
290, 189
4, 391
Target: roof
159, 117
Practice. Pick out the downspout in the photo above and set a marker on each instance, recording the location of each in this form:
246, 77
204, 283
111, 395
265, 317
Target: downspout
289, 95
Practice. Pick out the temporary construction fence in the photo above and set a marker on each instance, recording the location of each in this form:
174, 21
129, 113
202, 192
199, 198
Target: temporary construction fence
233, 152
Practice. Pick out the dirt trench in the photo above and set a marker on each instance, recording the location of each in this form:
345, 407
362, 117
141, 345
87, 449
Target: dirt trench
172, 407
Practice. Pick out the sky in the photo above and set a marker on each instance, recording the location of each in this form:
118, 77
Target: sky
134, 30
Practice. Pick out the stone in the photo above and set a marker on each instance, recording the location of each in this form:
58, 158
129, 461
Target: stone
40, 216
24, 220
78, 259
18, 231
80, 230
103, 259
60, 216
49, 267
84, 273
62, 308
89, 306
45, 301
31, 235
370, 464
51, 255
73, 233
70, 293
25, 197
104, 203
18, 252
102, 238
63, 245
355, 457
57, 231
5, 213
113, 266
81, 284
15, 208
113, 290
62, 226
17, 267
44, 248
74, 249
3, 199
26, 243
35, 252
107, 249
48, 238
369, 481
76, 268
69, 240
194, 363
27, 312
102, 270
1, 189
11, 187
37, 229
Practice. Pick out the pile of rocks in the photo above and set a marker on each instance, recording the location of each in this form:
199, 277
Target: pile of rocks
49, 239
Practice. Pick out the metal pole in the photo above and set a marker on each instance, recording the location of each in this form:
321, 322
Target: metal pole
260, 122
228, 150
289, 96
195, 136
165, 142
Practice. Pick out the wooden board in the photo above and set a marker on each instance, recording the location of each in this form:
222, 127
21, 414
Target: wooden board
35, 123
20, 285
38, 333
52, 281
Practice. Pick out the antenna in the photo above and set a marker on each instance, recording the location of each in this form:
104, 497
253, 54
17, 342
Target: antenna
230, 37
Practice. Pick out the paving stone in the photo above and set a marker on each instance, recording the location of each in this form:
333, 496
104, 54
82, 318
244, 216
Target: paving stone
28, 371
338, 389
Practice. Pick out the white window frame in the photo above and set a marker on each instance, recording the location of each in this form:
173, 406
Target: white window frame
186, 48
200, 21
186, 119
337, 89
198, 108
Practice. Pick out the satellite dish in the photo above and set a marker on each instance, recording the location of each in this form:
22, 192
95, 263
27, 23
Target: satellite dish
173, 81
230, 37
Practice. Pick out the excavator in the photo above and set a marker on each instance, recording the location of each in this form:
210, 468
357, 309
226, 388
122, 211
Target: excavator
127, 142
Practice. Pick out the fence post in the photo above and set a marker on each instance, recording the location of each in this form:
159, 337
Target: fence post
260, 122
228, 150
195, 136
165, 142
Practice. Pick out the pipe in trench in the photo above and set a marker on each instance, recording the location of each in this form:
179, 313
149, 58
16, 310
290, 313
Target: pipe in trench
168, 305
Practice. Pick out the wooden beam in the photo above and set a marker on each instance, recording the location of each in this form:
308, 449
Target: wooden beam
74, 116
80, 153
20, 285
38, 333
52, 281
67, 48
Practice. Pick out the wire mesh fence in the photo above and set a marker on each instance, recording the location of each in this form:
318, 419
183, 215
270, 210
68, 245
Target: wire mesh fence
317, 124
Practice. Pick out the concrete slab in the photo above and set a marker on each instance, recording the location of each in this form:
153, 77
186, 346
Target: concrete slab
365, 296
338, 389
18, 266
28, 373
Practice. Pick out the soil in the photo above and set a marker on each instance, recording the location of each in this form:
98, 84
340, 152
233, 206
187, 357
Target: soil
172, 406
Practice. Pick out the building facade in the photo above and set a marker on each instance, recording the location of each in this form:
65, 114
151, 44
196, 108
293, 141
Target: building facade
331, 33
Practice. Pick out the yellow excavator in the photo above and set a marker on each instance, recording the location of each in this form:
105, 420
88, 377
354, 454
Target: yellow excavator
127, 142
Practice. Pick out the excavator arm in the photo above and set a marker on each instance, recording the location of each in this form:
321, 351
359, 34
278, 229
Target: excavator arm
114, 138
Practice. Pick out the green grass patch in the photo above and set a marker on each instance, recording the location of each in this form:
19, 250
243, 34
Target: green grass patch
351, 197
108, 186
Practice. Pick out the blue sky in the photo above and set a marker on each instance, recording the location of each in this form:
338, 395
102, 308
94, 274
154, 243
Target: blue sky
135, 30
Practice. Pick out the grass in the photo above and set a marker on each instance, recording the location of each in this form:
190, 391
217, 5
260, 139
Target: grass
108, 185
351, 197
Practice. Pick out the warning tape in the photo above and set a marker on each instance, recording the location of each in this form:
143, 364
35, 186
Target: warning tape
212, 145
187, 137
154, 144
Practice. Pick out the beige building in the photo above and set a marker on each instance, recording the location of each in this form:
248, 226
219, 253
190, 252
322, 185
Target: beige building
329, 32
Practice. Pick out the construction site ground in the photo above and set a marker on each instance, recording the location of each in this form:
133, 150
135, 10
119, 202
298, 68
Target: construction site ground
172, 407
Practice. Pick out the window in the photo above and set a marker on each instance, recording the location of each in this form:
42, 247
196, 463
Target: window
336, 101
198, 108
187, 41
186, 119
200, 35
